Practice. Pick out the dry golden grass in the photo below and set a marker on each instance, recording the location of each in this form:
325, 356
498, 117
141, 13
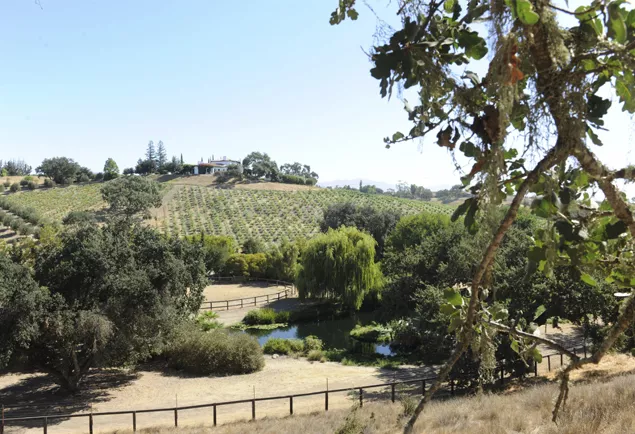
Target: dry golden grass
592, 408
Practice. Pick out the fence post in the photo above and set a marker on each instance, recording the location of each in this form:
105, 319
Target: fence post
361, 397
452, 387
211, 305
291, 404
254, 301
176, 417
278, 296
214, 414
90, 423
241, 303
326, 401
134, 421
535, 368
549, 363
584, 351
392, 392
423, 387
227, 304
46, 425
561, 360
267, 298
253, 409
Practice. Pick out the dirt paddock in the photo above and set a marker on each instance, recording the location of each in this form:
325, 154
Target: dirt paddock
232, 291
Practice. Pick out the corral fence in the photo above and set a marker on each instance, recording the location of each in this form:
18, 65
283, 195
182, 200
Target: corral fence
358, 393
239, 303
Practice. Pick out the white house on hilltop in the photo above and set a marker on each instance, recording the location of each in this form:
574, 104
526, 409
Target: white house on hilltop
212, 166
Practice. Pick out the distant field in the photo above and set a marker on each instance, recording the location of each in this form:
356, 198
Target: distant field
271, 216
55, 203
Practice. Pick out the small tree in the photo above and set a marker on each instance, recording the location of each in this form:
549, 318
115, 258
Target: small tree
151, 153
62, 170
111, 170
162, 156
132, 195
253, 245
340, 265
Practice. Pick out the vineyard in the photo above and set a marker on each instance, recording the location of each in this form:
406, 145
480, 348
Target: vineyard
270, 216
55, 203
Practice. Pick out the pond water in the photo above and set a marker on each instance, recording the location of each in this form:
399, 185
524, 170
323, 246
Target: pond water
333, 332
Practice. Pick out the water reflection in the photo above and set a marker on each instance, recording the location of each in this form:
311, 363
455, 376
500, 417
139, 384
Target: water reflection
334, 333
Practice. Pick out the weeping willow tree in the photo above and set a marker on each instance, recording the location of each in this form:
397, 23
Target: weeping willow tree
528, 124
340, 265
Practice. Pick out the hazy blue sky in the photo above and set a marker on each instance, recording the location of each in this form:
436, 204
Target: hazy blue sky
97, 79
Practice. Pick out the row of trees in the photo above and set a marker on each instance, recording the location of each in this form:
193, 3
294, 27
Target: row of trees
14, 168
259, 165
156, 161
418, 192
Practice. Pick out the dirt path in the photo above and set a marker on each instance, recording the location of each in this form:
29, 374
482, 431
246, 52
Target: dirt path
152, 389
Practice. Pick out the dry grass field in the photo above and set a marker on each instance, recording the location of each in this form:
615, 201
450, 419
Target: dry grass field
595, 407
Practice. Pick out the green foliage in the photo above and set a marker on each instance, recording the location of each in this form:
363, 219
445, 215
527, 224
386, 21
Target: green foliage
102, 279
340, 264
79, 218
61, 170
264, 316
252, 245
316, 356
372, 333
283, 346
216, 352
49, 183
131, 195
312, 343
15, 187
208, 320
377, 223
217, 250
258, 165
111, 170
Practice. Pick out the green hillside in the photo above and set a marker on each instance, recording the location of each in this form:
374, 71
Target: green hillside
268, 215
271, 216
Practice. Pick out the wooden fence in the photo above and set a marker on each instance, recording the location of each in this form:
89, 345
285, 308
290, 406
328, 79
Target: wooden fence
358, 391
239, 303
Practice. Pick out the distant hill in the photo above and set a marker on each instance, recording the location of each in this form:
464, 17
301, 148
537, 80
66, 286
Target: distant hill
268, 215
354, 183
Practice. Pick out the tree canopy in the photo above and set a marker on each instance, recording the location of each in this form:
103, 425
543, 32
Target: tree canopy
131, 195
340, 265
62, 170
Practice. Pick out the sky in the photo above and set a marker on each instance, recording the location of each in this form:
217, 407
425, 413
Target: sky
92, 80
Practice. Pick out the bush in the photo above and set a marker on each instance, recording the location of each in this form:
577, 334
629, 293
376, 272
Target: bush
208, 321
7, 184
78, 217
25, 181
283, 346
83, 178
99, 176
316, 356
216, 352
313, 343
373, 333
1, 188
264, 316
32, 185
49, 183
14, 187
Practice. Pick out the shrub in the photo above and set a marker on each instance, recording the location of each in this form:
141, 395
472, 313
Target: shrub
208, 321
24, 181
7, 184
1, 188
49, 183
283, 346
260, 316
373, 333
32, 185
78, 217
266, 315
83, 178
316, 356
14, 187
216, 352
99, 176
312, 343
15, 224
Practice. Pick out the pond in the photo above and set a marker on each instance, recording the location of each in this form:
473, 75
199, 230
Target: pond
333, 332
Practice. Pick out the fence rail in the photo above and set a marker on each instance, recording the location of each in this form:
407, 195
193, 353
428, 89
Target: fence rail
358, 389
239, 303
